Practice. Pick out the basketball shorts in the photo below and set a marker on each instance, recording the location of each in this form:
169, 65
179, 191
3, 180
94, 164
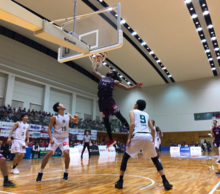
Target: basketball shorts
157, 143
18, 146
144, 142
63, 144
217, 142
108, 108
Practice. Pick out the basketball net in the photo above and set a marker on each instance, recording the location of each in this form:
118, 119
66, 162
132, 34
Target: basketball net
98, 60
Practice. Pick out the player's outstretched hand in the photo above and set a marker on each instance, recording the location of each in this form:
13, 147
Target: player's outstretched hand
51, 141
139, 84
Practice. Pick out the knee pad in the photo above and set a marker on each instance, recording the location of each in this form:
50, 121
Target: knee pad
157, 164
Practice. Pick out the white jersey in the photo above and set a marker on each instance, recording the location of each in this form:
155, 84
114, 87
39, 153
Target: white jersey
61, 127
141, 121
20, 131
157, 135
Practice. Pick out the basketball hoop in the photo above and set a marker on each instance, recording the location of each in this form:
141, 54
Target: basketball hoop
98, 59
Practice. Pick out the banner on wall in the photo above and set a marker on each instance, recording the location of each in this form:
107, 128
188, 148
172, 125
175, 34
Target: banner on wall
34, 134
44, 135
7, 124
35, 127
93, 135
76, 134
5, 132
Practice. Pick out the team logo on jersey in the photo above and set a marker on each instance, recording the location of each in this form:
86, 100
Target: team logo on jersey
64, 121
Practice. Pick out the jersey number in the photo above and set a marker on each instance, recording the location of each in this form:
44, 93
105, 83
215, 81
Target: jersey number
22, 134
143, 119
64, 128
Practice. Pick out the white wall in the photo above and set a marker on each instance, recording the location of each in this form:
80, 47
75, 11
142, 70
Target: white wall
60, 96
172, 106
83, 106
3, 80
17, 55
28, 92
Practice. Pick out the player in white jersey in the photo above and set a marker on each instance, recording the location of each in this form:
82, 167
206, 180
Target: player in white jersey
59, 138
141, 137
158, 134
18, 144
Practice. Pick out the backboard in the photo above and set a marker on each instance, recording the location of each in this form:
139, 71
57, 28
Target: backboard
100, 31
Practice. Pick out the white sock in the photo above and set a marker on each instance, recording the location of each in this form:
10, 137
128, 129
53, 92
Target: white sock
41, 170
66, 170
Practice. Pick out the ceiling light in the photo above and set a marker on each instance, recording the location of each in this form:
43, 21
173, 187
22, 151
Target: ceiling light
213, 68
158, 61
121, 76
206, 12
143, 43
212, 32
169, 75
191, 8
104, 63
197, 22
147, 48
215, 43
139, 38
217, 53
123, 21
213, 38
116, 15
217, 49
164, 68
128, 82
212, 64
201, 34
209, 55
151, 53
207, 51
199, 29
210, 26
218, 57
203, 40
129, 27
210, 59
109, 9
187, 1
134, 33
100, 0
203, 4
194, 16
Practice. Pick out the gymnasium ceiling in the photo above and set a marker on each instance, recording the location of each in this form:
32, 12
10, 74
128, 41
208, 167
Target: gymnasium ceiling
166, 27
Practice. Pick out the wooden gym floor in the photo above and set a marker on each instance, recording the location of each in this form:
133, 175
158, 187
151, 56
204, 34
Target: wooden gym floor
99, 174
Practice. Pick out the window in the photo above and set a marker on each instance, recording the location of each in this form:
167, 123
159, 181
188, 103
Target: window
36, 107
206, 116
86, 116
16, 104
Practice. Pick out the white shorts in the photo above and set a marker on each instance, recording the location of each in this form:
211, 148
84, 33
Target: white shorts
157, 143
18, 146
144, 142
63, 144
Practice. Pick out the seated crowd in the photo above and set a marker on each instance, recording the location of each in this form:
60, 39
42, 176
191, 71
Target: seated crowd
205, 146
9, 114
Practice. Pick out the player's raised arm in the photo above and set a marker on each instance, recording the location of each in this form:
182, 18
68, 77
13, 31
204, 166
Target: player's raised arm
152, 128
74, 118
131, 126
12, 130
52, 121
124, 87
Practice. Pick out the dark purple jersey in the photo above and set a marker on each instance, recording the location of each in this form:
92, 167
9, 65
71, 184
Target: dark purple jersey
105, 88
216, 131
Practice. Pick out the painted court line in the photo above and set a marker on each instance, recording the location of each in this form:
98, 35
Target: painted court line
216, 186
6, 192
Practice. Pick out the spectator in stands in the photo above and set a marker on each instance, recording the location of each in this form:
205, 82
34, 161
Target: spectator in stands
35, 150
184, 143
14, 110
47, 144
208, 146
196, 144
171, 143
124, 147
24, 110
203, 147
175, 144
30, 144
33, 111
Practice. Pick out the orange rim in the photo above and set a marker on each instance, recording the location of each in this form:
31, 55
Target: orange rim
99, 57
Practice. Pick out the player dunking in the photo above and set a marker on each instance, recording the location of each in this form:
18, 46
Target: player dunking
107, 105
59, 138
141, 137
215, 132
158, 134
18, 144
